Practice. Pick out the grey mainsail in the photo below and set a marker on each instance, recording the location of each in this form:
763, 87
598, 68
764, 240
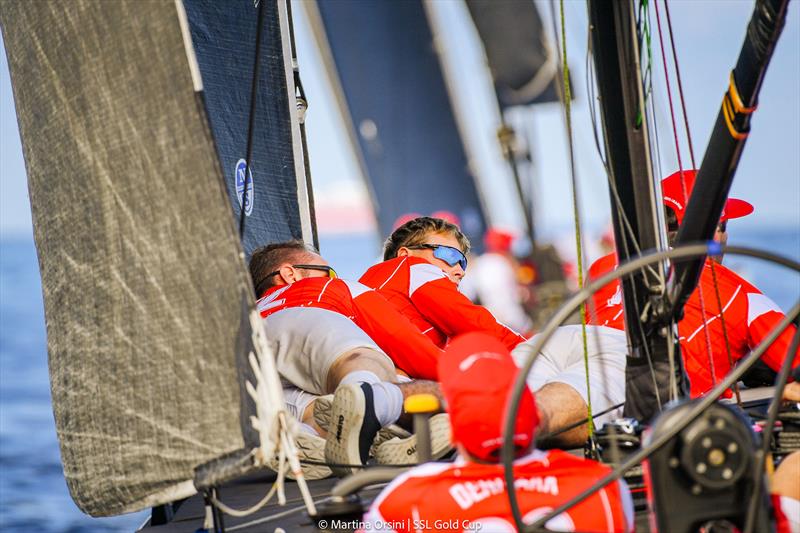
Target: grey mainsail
148, 304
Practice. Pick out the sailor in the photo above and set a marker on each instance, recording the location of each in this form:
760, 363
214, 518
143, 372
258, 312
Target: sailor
712, 337
477, 375
559, 372
330, 335
424, 261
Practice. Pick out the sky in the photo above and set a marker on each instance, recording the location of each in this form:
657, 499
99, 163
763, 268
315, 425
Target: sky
708, 36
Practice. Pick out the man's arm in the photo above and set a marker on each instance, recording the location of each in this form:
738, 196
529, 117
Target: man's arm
762, 316
411, 351
438, 300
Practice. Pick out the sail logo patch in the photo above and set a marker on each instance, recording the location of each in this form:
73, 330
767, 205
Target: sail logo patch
241, 165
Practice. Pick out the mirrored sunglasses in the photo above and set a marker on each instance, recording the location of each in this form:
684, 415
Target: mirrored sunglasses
448, 254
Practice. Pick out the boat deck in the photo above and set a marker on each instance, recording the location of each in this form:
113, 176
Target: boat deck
247, 492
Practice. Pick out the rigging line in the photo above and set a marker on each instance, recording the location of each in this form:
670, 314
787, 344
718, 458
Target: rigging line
261, 503
570, 306
578, 424
616, 201
680, 84
653, 123
567, 97
591, 303
694, 165
617, 207
706, 334
251, 119
724, 330
655, 148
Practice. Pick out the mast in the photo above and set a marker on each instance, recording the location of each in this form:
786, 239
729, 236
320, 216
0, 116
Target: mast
635, 211
727, 141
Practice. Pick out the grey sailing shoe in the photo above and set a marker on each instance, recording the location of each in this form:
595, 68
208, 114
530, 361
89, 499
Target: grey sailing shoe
322, 417
352, 429
402, 450
310, 448
322, 411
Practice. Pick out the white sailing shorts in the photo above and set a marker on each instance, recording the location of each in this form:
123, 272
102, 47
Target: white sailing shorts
561, 361
307, 340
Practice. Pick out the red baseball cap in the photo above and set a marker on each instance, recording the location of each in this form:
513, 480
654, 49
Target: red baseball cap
402, 219
498, 240
447, 216
477, 375
672, 191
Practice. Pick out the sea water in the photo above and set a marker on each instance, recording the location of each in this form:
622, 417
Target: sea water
33, 493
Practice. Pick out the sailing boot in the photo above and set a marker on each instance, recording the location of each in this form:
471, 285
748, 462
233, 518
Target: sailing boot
396, 448
310, 448
353, 428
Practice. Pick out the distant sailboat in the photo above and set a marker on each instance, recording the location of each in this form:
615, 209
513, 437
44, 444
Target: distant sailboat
388, 83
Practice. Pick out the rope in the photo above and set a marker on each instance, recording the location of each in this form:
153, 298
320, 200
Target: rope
575, 210
616, 201
725, 332
706, 335
252, 118
694, 165
250, 510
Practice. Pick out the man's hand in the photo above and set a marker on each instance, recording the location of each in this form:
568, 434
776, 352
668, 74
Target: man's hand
791, 392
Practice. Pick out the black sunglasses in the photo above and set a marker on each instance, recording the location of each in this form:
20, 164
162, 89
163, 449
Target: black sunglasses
448, 254
322, 268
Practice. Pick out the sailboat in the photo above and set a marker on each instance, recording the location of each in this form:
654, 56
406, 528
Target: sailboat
143, 193
143, 151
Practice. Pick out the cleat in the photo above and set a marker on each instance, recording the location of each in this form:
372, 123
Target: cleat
353, 427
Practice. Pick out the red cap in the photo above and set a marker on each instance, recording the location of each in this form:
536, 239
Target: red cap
672, 191
477, 376
447, 216
402, 219
498, 240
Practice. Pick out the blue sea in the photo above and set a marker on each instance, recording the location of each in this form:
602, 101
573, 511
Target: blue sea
33, 494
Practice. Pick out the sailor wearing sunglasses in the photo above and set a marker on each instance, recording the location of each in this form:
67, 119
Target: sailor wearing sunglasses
335, 336
424, 261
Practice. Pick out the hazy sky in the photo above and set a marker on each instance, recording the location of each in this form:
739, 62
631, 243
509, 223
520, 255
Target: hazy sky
708, 38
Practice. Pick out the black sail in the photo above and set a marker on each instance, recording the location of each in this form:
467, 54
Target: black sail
224, 39
397, 102
523, 68
146, 295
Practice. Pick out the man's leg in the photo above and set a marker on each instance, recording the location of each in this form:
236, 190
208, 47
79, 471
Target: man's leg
367, 397
300, 405
561, 406
558, 378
